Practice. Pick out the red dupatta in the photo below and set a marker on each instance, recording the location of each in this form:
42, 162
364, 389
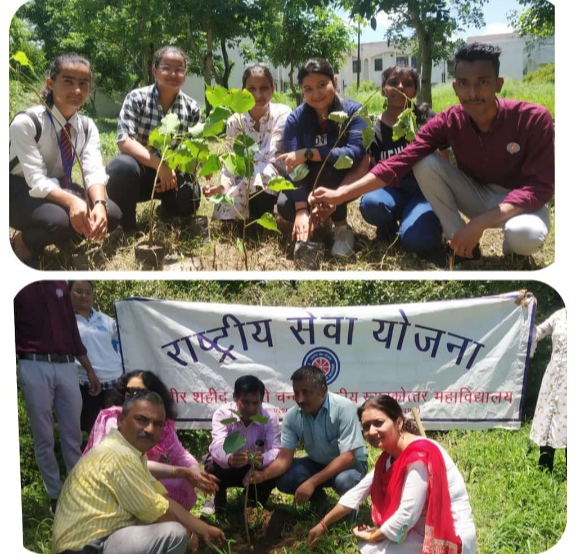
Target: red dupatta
386, 491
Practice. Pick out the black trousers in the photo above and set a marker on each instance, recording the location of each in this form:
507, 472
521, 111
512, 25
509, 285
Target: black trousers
91, 406
43, 222
232, 477
131, 182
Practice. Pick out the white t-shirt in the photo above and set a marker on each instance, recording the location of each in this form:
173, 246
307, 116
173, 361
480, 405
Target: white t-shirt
99, 334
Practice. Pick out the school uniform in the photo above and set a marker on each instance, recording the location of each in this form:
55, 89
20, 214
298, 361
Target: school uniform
37, 169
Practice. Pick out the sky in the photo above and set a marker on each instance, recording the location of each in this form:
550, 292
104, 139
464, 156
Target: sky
495, 17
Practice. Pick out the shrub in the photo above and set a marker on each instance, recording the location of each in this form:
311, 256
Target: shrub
544, 74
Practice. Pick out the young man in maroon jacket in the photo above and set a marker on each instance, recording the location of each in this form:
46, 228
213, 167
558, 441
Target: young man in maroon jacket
47, 343
504, 177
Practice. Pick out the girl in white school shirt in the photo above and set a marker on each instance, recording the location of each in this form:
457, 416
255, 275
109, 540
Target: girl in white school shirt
46, 207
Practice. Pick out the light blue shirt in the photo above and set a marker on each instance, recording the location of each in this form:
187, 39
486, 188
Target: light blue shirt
335, 430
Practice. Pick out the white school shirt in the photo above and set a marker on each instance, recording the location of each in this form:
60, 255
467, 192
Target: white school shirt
99, 333
40, 163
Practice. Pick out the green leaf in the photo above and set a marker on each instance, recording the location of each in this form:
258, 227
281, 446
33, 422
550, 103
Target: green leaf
235, 164
237, 413
240, 245
299, 172
240, 101
258, 418
343, 162
197, 130
223, 199
364, 115
229, 420
268, 222
233, 442
211, 166
169, 124
217, 96
216, 122
339, 117
278, 184
22, 59
367, 136
158, 140
245, 146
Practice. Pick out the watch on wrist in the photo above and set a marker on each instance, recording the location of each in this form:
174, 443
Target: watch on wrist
309, 154
103, 202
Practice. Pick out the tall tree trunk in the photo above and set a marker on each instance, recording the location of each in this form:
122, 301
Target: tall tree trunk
425, 92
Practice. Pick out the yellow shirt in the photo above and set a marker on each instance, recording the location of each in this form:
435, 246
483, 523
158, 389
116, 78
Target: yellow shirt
110, 488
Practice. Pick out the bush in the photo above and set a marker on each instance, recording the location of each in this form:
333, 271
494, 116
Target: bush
544, 74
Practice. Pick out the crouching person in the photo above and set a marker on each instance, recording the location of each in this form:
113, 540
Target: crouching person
111, 503
262, 439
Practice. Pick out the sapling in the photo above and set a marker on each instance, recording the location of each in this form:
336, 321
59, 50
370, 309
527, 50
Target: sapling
235, 442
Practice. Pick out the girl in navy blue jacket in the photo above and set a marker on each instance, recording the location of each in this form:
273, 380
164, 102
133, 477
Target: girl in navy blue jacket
311, 138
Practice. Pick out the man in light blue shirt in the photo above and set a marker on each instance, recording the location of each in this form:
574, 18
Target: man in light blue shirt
328, 426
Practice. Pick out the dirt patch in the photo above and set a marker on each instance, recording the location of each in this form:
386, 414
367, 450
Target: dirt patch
272, 531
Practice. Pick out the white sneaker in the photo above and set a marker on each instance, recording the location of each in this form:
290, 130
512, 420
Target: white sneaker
343, 241
208, 509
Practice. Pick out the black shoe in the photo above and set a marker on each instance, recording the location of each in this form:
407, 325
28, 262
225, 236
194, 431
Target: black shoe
444, 257
53, 502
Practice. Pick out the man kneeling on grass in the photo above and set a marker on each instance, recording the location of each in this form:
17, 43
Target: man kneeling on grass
328, 426
111, 503
504, 176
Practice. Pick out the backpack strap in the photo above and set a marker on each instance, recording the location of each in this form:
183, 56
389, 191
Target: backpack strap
15, 161
83, 119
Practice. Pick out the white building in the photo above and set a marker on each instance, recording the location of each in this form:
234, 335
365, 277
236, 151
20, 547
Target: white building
519, 57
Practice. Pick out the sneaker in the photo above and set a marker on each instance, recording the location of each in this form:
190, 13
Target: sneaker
208, 509
343, 241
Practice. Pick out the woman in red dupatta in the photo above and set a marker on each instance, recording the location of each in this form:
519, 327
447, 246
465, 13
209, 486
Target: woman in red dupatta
416, 491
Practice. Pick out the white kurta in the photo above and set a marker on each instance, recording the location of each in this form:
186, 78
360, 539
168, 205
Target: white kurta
411, 513
550, 418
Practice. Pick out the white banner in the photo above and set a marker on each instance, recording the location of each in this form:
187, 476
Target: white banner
461, 363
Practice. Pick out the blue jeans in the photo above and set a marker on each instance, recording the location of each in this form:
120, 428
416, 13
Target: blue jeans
303, 468
419, 229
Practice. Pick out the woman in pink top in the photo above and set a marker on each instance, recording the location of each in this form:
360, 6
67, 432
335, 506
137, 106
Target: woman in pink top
168, 461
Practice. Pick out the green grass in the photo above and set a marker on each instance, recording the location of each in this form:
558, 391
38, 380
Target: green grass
517, 508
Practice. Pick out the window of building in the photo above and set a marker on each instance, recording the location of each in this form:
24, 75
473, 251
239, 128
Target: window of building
377, 64
355, 66
402, 61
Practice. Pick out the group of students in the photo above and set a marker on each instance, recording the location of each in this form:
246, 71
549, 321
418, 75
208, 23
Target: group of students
503, 176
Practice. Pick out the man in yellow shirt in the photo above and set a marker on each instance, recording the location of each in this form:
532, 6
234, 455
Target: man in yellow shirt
111, 503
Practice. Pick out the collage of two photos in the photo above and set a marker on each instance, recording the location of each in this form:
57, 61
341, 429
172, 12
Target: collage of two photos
286, 172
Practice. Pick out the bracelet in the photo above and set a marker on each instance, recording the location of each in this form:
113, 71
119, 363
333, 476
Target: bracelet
323, 523
371, 538
173, 471
103, 202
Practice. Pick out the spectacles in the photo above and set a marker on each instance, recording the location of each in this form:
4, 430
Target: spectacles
169, 69
131, 391
81, 292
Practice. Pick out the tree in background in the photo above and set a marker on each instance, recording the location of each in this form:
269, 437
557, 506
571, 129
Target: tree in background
430, 23
302, 29
536, 20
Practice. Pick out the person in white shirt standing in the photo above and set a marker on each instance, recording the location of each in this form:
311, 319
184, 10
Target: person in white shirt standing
46, 207
99, 334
